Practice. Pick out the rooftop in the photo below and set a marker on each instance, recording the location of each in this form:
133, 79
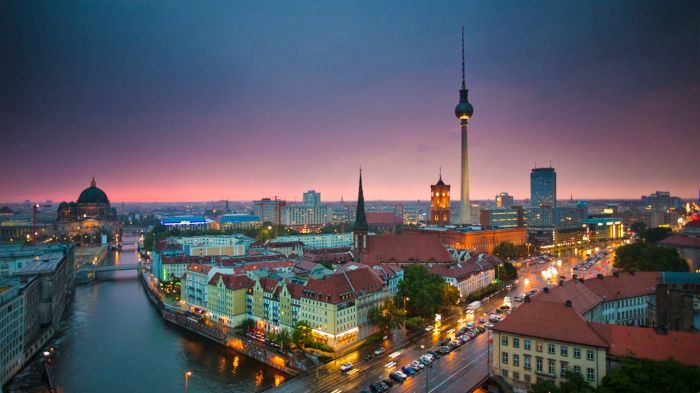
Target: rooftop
684, 241
646, 343
552, 321
405, 248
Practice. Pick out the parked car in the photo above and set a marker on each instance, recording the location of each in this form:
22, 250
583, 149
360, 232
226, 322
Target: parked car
396, 376
346, 366
429, 328
388, 382
368, 356
376, 388
379, 351
409, 371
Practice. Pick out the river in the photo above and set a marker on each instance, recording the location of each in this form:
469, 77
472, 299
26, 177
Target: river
112, 339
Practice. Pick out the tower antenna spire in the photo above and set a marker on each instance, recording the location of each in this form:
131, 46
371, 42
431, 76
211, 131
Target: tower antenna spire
463, 82
440, 172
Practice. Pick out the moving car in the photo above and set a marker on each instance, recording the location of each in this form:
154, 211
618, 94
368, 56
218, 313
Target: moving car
379, 351
368, 356
346, 366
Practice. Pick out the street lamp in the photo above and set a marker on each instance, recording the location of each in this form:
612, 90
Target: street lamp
188, 374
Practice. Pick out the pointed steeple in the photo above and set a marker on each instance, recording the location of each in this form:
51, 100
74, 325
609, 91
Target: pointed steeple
92, 183
360, 217
440, 182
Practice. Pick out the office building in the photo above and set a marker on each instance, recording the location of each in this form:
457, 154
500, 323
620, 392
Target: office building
543, 188
503, 200
312, 198
269, 210
301, 215
501, 218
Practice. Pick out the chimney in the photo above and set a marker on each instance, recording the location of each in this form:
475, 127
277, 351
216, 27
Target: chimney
546, 289
600, 276
631, 273
581, 279
527, 299
561, 283
575, 276
567, 303
616, 274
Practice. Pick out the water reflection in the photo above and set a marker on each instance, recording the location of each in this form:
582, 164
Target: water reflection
113, 340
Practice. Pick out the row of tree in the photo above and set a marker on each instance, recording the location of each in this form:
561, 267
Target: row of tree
632, 375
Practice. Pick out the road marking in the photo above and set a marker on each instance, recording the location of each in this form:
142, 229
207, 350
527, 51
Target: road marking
453, 374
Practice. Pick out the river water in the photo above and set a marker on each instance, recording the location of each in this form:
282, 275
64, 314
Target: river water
113, 339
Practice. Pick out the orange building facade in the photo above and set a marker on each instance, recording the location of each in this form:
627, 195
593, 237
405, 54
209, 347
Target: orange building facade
483, 241
439, 203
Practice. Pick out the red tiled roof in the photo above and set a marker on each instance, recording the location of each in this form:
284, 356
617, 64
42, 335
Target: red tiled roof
646, 343
582, 298
342, 286
383, 218
460, 271
406, 248
268, 284
199, 268
550, 321
295, 290
232, 281
624, 285
681, 241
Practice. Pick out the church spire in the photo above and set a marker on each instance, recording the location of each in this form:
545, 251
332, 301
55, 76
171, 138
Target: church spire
92, 183
360, 217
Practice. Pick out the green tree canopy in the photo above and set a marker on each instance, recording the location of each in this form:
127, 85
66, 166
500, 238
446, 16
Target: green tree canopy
638, 227
507, 250
653, 235
649, 257
426, 291
647, 376
301, 335
388, 317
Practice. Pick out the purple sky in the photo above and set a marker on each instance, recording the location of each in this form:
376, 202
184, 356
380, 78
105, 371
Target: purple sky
186, 101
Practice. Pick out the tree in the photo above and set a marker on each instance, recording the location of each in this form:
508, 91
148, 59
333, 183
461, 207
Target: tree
284, 339
638, 227
388, 317
507, 250
426, 291
649, 257
247, 325
301, 335
640, 375
507, 271
653, 235
574, 383
544, 386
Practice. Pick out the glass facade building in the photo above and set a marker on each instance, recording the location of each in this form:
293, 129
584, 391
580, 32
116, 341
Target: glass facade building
543, 187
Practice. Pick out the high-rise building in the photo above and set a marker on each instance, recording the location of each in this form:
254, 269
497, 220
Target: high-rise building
312, 198
269, 210
543, 187
439, 203
464, 111
504, 200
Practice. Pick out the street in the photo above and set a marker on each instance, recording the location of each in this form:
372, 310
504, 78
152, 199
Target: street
460, 370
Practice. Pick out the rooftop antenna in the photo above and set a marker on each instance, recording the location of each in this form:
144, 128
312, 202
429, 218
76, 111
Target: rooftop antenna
463, 83
440, 172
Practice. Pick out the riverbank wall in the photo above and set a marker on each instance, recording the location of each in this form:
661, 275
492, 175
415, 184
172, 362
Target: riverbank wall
250, 348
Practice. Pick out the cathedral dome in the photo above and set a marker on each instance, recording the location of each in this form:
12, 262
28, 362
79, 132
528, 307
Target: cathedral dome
93, 194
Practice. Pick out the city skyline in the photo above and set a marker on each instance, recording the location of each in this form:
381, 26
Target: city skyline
162, 107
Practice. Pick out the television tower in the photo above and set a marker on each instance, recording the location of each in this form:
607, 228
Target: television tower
464, 111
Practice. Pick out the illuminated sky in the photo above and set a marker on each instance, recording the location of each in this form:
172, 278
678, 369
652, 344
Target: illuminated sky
192, 101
